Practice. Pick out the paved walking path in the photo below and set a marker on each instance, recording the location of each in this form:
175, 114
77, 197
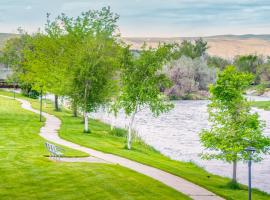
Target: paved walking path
49, 132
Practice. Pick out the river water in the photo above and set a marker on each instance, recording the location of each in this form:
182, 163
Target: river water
175, 134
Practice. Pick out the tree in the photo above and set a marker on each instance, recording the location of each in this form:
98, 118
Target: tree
188, 76
233, 126
182, 75
95, 79
190, 49
249, 63
217, 62
13, 57
142, 80
37, 65
93, 51
56, 58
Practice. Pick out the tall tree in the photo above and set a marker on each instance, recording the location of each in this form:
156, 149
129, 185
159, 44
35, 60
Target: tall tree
233, 126
13, 57
142, 80
93, 51
56, 58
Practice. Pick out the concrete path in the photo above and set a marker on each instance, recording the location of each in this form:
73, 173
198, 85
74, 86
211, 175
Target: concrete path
49, 132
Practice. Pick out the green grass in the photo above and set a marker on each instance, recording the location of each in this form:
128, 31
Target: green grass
26, 174
101, 139
260, 88
261, 104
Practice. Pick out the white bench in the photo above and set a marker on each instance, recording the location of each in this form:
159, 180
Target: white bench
55, 151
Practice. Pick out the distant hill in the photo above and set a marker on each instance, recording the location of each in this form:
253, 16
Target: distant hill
226, 46
4, 37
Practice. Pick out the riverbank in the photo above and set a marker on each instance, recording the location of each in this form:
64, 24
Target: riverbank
102, 139
265, 105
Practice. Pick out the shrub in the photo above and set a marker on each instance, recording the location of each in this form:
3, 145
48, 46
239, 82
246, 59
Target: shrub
118, 132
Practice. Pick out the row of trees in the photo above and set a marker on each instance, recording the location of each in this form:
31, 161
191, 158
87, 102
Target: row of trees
257, 65
85, 60
191, 62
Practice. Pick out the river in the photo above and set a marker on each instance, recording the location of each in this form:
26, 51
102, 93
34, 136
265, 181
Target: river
175, 134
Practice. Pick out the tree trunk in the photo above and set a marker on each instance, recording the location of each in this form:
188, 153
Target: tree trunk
40, 108
45, 104
86, 129
234, 171
75, 109
130, 129
56, 105
14, 88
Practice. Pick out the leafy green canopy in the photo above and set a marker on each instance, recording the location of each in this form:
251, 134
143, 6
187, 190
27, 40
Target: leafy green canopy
13, 55
248, 63
233, 126
92, 49
142, 80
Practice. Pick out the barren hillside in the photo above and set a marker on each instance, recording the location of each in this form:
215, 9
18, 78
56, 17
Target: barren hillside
226, 46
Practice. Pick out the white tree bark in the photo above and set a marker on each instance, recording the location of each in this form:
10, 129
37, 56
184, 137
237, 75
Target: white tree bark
86, 128
130, 129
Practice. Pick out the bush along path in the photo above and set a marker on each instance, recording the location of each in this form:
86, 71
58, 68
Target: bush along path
49, 132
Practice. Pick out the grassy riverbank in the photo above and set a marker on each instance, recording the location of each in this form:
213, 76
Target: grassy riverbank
25, 173
261, 104
101, 139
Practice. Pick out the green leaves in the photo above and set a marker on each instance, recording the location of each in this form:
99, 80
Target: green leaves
233, 126
142, 80
93, 56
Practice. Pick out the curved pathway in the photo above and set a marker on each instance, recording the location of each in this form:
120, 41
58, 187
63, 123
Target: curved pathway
50, 133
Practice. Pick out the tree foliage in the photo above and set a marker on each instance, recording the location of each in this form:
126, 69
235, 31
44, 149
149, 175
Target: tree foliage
217, 62
92, 53
233, 126
189, 76
190, 49
142, 80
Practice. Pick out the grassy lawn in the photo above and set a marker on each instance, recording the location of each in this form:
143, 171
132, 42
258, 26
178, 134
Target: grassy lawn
26, 174
101, 139
261, 104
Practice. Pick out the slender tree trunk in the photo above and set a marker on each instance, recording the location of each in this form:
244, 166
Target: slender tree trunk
40, 115
130, 129
234, 171
75, 109
86, 128
14, 88
56, 104
45, 98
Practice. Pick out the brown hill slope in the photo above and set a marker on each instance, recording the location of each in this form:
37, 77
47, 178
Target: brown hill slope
226, 46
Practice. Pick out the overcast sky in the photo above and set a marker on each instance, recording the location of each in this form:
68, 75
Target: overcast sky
153, 18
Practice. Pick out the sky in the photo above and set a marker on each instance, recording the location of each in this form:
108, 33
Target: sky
149, 18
